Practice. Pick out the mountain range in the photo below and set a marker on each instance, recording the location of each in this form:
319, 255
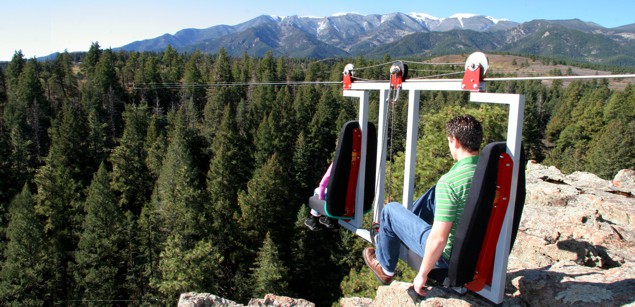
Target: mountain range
403, 35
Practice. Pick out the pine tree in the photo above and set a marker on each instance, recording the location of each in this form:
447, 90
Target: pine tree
131, 178
319, 260
62, 83
13, 71
171, 72
23, 278
155, 144
218, 96
323, 131
612, 149
174, 207
305, 104
89, 63
100, 254
587, 116
621, 105
262, 97
283, 127
243, 71
179, 196
149, 76
26, 112
7, 188
30, 91
60, 183
193, 78
534, 123
112, 94
263, 141
172, 65
589, 112
102, 101
21, 161
68, 136
305, 176
281, 69
187, 268
264, 205
269, 273
228, 173
136, 284
3, 94
561, 116
129, 73
150, 245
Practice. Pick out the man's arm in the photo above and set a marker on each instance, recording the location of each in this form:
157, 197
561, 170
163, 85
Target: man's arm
434, 248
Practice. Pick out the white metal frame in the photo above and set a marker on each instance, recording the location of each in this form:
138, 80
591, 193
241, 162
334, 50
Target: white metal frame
516, 103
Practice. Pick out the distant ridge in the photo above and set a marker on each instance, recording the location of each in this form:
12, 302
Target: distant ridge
413, 34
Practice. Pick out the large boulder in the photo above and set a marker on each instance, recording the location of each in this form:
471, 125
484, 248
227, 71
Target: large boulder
193, 299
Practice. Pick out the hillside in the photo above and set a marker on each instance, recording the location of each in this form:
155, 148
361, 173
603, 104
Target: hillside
522, 66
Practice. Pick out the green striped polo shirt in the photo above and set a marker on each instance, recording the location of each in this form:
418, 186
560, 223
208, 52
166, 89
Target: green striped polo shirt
450, 196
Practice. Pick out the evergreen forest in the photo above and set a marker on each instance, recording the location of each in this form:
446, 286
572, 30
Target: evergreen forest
128, 178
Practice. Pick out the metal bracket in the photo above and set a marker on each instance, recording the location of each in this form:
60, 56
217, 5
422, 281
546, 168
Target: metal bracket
397, 74
348, 72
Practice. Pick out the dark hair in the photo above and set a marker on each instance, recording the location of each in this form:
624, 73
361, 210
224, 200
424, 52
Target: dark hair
467, 130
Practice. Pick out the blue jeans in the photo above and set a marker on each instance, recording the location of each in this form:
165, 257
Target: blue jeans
399, 225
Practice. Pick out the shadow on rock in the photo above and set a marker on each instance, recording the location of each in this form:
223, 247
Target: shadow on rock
588, 254
567, 283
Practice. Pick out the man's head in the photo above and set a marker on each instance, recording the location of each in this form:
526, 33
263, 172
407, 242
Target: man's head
467, 132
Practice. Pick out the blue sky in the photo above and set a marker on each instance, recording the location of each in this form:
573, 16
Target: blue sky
41, 27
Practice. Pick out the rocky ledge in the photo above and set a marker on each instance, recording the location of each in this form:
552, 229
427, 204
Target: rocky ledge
193, 299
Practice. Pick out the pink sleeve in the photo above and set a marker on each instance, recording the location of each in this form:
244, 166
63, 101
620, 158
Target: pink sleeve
325, 182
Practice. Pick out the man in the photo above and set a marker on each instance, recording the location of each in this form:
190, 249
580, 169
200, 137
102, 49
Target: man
429, 228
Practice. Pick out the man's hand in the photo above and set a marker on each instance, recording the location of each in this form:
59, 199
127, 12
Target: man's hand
419, 284
434, 248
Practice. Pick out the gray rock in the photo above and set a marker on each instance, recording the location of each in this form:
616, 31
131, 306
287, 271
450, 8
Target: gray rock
575, 244
280, 301
624, 181
568, 283
356, 302
193, 299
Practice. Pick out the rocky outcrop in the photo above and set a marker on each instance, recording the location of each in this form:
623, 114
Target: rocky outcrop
576, 241
575, 247
193, 299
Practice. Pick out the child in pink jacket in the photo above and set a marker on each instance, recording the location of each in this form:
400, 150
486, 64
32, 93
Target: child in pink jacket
315, 217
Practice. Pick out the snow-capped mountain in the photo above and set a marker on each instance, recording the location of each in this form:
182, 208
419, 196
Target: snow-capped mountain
344, 31
352, 34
